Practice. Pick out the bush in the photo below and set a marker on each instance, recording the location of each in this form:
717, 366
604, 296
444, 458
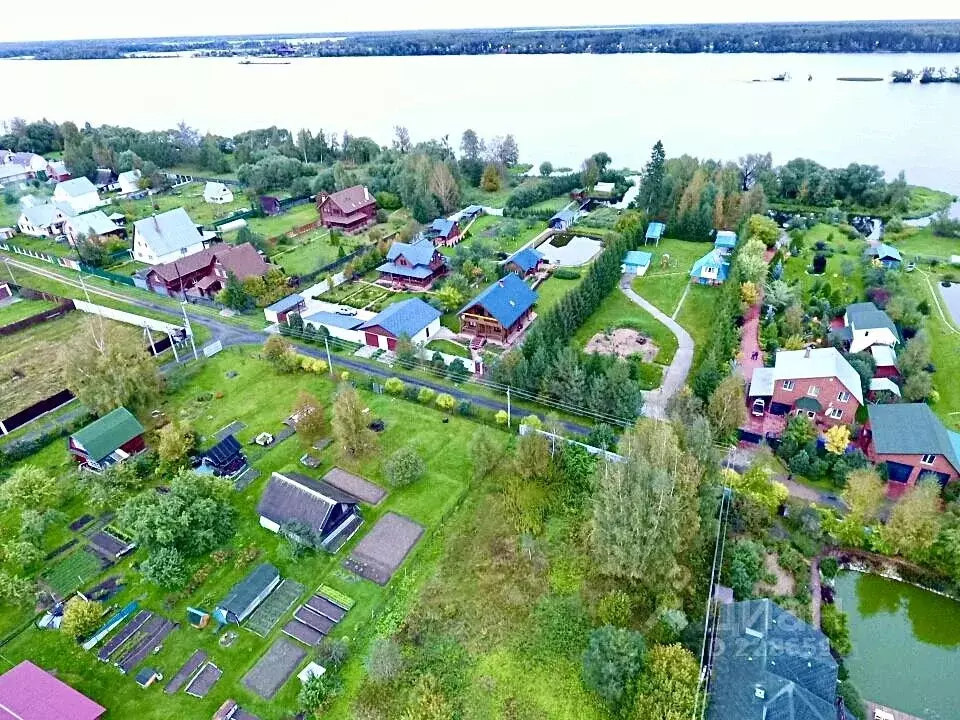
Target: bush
612, 661
384, 663
833, 622
426, 395
615, 608
404, 467
165, 567
746, 568
559, 627
465, 408
501, 417
445, 402
81, 617
566, 274
394, 386
829, 568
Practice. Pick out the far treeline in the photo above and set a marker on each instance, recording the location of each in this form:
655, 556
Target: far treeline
849, 37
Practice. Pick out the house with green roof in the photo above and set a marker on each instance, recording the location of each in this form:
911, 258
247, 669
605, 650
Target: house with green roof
115, 437
769, 665
910, 439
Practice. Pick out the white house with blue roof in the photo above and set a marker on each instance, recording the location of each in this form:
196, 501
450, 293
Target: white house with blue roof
712, 269
411, 318
636, 262
501, 312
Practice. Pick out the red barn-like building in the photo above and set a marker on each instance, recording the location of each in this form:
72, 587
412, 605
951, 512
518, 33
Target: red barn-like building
349, 210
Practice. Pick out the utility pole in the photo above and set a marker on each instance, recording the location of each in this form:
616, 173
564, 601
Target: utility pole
183, 307
508, 406
326, 344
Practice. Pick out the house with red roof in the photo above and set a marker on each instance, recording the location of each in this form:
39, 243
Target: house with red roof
28, 692
349, 210
205, 273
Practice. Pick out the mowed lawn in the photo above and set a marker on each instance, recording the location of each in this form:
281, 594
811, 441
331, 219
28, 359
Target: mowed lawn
11, 312
189, 197
618, 311
260, 398
551, 290
696, 316
913, 242
669, 272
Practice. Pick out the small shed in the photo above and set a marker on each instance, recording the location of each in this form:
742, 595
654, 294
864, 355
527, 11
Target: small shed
113, 438
270, 205
887, 255
226, 458
655, 231
726, 240
147, 677
217, 193
712, 269
278, 312
198, 618
563, 220
636, 262
247, 595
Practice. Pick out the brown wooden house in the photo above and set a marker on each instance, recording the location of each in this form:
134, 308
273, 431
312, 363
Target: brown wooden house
205, 273
349, 210
414, 265
500, 311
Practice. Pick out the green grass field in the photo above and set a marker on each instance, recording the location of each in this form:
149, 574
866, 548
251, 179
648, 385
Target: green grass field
913, 242
552, 289
666, 279
696, 317
189, 197
11, 312
618, 311
260, 398
448, 347
842, 266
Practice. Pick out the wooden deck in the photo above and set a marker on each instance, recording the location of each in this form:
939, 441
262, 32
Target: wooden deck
871, 706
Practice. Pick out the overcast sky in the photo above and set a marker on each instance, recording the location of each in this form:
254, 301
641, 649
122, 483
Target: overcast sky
68, 19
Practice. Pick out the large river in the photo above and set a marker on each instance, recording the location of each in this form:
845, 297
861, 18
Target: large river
560, 107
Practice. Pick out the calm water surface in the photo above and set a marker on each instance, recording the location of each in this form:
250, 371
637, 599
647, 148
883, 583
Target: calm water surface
560, 107
906, 645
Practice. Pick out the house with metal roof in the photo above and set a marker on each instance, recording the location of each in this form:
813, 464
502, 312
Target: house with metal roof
44, 219
501, 312
225, 458
564, 219
217, 193
769, 665
413, 265
282, 308
443, 232
129, 182
636, 262
247, 595
412, 318
712, 269
205, 273
166, 237
817, 383
865, 326
725, 241
79, 193
912, 441
526, 262
28, 692
342, 327
115, 437
655, 231
94, 226
310, 511
886, 255
349, 210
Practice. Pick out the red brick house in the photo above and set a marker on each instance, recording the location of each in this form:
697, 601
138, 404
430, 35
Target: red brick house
912, 441
349, 210
413, 265
500, 312
205, 273
816, 383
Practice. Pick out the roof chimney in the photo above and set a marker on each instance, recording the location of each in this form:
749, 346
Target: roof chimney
806, 353
366, 193
500, 283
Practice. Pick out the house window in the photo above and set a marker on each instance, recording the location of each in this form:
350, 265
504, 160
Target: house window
928, 459
813, 391
843, 396
835, 413
788, 384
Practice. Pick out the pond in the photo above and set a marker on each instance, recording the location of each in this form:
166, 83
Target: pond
906, 645
951, 298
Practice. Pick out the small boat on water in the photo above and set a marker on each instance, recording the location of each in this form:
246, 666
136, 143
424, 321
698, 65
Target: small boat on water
781, 77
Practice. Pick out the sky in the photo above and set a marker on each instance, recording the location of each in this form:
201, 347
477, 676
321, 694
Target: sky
73, 20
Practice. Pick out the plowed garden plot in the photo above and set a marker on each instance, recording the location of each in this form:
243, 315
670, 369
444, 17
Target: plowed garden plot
273, 608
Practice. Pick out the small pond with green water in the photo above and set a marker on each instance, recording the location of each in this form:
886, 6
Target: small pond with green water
906, 645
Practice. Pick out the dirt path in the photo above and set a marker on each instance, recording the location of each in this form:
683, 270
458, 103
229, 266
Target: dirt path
815, 592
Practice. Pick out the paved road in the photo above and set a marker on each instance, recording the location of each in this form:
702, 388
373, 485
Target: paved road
655, 401
229, 334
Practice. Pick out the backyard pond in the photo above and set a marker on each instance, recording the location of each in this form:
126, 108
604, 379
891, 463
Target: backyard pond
906, 645
951, 298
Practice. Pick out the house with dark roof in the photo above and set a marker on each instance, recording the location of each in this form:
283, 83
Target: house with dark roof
349, 210
166, 237
79, 193
912, 441
247, 595
411, 318
413, 265
284, 307
526, 262
866, 325
225, 459
310, 511
886, 255
28, 692
500, 312
205, 273
443, 232
769, 665
115, 437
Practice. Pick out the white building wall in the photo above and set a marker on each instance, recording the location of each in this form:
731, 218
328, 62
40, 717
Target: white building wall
269, 524
863, 339
428, 333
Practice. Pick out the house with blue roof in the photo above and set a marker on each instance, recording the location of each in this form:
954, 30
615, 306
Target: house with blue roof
412, 265
887, 255
282, 308
526, 262
411, 318
712, 269
500, 312
338, 325
564, 220
636, 262
443, 232
726, 240
655, 231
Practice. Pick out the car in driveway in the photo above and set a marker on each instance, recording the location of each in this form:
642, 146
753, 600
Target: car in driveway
345, 310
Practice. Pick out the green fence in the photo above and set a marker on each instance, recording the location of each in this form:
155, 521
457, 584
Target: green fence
107, 275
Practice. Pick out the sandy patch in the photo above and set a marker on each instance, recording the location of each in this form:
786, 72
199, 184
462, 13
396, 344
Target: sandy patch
623, 342
785, 584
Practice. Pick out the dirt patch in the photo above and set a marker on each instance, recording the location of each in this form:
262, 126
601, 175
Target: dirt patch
785, 584
623, 342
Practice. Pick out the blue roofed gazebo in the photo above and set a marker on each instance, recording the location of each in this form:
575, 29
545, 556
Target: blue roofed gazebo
655, 231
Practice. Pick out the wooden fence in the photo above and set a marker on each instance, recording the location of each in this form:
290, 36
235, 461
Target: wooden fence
62, 309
